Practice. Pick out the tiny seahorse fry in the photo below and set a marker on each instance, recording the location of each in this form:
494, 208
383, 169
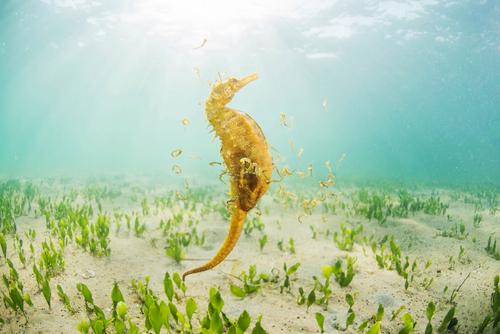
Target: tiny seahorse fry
245, 153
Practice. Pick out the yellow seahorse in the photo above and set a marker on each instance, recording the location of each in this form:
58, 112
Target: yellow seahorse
245, 154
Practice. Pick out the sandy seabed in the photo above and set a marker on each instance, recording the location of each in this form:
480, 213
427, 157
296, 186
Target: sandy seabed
135, 257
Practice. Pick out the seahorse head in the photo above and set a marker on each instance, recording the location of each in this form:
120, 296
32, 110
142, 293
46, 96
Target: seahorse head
224, 91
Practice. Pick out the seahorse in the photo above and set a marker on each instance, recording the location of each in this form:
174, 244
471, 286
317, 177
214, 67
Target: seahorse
245, 152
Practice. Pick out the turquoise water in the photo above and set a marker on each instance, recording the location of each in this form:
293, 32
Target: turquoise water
405, 90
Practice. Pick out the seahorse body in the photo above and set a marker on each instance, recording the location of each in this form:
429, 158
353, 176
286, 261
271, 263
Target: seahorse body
245, 154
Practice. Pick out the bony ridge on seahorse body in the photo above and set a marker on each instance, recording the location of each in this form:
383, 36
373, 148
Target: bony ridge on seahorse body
245, 153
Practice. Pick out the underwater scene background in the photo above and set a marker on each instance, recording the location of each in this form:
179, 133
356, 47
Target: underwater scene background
121, 172
411, 88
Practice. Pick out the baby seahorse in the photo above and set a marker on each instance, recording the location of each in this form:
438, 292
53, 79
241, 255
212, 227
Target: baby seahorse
245, 154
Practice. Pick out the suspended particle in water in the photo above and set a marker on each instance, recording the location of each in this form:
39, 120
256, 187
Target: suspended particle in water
283, 119
176, 153
281, 190
325, 104
301, 151
292, 148
222, 174
328, 166
326, 184
197, 71
285, 171
341, 159
310, 169
202, 44
177, 169
330, 181
271, 147
185, 121
309, 205
179, 195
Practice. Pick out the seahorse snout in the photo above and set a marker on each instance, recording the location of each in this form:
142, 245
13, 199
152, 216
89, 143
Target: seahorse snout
246, 80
